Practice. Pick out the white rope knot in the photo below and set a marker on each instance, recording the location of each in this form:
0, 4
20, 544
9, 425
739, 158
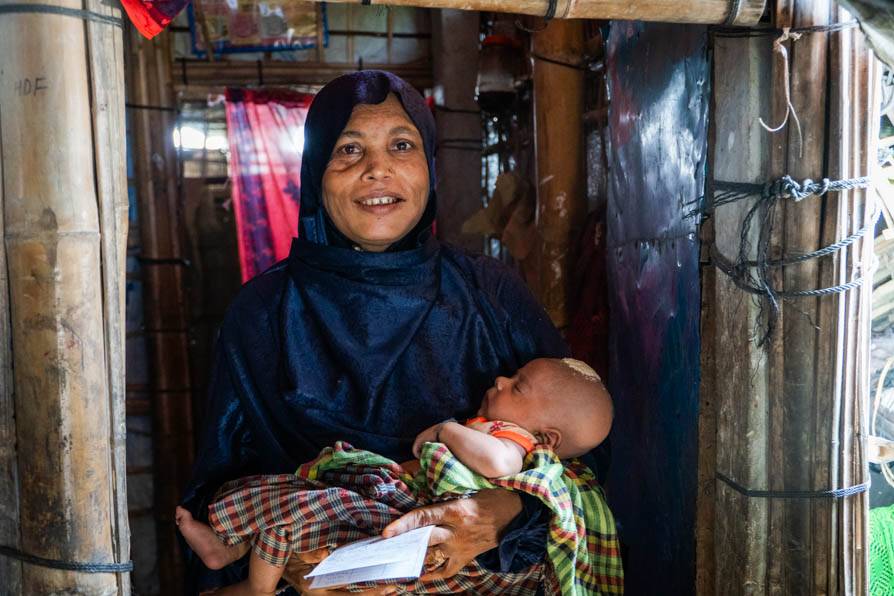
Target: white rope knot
779, 48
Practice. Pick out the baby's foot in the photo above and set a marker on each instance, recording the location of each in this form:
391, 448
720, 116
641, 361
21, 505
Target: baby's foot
202, 539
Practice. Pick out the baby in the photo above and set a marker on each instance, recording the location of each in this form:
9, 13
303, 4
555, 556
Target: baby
559, 403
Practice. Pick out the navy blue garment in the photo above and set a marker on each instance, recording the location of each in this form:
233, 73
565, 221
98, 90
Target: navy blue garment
370, 348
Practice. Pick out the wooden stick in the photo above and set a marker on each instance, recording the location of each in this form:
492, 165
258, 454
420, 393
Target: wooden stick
54, 258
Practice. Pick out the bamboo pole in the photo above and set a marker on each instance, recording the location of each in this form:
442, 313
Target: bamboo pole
10, 569
60, 196
745, 12
561, 197
149, 83
854, 120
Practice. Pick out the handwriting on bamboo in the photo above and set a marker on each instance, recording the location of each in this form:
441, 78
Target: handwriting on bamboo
33, 87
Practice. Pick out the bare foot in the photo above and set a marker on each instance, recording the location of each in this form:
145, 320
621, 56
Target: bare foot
202, 539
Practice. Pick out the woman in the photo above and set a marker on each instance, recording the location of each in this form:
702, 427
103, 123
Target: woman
371, 330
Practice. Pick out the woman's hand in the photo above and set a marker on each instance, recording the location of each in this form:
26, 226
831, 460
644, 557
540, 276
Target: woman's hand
300, 564
465, 527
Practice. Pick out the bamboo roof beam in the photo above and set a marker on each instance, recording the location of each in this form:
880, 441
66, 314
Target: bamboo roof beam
729, 12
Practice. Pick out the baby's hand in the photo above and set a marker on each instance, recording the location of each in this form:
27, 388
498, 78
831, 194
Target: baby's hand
429, 435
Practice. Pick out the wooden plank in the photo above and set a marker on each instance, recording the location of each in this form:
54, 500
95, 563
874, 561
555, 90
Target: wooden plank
740, 376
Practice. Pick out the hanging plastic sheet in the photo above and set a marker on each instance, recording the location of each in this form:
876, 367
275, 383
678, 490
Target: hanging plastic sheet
265, 130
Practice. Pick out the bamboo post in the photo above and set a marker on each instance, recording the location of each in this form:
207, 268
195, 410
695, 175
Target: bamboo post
61, 126
561, 197
732, 12
162, 269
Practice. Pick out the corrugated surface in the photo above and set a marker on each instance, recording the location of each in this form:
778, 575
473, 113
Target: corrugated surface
658, 81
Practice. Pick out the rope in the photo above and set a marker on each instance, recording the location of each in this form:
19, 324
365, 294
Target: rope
15, 553
86, 15
837, 493
752, 275
778, 48
772, 31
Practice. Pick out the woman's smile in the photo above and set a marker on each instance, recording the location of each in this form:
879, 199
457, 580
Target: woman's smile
376, 183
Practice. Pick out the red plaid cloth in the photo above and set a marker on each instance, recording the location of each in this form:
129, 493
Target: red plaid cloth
288, 513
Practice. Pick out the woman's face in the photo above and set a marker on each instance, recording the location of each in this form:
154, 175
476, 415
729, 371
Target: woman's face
375, 186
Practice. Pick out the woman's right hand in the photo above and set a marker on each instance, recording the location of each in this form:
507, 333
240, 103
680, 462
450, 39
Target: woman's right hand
300, 564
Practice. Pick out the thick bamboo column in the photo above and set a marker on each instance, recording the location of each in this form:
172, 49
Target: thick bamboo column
61, 148
734, 12
162, 267
561, 196
790, 416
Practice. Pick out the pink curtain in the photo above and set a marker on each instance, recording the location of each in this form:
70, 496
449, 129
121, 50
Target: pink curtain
265, 130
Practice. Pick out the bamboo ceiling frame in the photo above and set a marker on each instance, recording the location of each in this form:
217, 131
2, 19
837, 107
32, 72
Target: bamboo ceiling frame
712, 12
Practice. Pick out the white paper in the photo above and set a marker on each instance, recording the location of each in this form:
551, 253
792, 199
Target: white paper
374, 559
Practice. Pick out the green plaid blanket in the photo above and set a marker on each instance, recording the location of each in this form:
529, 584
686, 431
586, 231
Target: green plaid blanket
582, 551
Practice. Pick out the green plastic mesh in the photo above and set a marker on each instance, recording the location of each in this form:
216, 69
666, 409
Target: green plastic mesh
881, 551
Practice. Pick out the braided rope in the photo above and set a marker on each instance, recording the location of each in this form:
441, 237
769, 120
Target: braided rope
15, 553
835, 493
752, 275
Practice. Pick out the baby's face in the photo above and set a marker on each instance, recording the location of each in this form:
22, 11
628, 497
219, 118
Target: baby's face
519, 399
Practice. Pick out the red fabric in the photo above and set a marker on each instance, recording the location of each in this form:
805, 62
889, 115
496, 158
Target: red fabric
150, 17
265, 131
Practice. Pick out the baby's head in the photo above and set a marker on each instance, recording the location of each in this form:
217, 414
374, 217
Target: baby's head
563, 402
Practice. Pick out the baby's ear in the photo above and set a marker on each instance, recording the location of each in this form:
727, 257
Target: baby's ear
552, 437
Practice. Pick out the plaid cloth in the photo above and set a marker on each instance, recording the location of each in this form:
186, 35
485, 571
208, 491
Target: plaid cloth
347, 494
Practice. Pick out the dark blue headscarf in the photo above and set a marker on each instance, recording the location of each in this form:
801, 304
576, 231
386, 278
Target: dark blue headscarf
371, 348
